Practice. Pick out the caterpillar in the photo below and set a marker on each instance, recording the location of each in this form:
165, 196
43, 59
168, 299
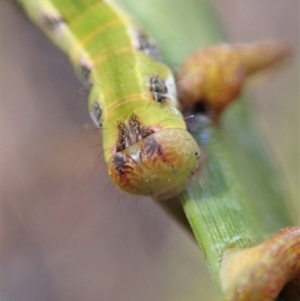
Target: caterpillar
146, 145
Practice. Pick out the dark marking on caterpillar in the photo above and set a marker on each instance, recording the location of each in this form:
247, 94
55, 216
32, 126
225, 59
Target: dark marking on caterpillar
123, 137
136, 130
121, 165
52, 23
96, 114
131, 133
148, 45
135, 126
84, 72
152, 148
158, 88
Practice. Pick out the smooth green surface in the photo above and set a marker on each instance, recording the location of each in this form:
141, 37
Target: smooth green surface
266, 202
214, 207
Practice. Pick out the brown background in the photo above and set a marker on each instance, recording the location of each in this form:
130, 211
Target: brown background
66, 232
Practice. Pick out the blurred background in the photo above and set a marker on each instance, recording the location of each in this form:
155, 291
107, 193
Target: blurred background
66, 232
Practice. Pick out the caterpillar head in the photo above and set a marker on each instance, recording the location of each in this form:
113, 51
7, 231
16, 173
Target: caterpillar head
160, 165
147, 147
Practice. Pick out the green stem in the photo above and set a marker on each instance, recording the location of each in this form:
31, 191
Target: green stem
214, 207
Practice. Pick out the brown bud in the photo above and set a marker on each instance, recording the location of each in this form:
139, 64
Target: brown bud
214, 76
263, 272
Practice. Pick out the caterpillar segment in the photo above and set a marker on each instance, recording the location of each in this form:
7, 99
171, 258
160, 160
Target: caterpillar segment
133, 95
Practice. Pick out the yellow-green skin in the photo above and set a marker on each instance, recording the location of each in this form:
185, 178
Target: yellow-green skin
145, 141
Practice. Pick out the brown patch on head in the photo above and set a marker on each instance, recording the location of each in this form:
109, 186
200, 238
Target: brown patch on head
127, 174
131, 133
152, 147
121, 164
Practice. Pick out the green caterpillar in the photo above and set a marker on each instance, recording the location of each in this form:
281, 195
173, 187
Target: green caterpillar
133, 95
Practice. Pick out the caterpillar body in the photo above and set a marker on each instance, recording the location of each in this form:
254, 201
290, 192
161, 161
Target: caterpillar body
133, 95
